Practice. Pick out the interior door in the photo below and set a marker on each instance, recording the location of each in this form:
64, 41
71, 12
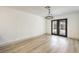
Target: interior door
59, 27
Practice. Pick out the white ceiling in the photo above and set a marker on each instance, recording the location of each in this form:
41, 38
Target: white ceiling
41, 11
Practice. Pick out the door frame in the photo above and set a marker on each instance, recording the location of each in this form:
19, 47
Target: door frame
58, 20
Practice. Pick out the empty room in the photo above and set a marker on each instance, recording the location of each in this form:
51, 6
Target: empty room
39, 29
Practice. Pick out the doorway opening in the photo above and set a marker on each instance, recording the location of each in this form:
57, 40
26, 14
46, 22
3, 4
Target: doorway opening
59, 27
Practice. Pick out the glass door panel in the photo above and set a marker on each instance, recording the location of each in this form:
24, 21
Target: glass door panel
62, 27
54, 27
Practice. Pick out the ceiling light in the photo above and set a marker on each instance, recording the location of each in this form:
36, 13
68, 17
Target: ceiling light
49, 16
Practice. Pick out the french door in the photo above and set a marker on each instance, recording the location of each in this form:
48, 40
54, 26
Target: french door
59, 27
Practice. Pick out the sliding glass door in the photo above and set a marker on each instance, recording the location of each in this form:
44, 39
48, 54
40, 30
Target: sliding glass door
59, 27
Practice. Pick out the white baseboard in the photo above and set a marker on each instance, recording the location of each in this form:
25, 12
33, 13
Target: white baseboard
18, 40
73, 38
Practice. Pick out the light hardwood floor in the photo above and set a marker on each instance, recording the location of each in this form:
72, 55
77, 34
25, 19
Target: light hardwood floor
43, 44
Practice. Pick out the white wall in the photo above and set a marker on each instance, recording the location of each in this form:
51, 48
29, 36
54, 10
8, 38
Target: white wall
73, 24
48, 26
29, 25
16, 25
7, 25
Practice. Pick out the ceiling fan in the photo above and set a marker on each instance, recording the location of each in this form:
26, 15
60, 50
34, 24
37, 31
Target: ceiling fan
49, 16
